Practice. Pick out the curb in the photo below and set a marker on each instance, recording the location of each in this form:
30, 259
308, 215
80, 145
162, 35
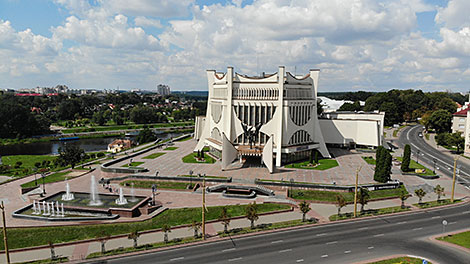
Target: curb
452, 245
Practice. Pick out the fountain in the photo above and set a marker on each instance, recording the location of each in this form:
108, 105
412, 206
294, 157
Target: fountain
132, 193
94, 197
52, 209
121, 200
68, 196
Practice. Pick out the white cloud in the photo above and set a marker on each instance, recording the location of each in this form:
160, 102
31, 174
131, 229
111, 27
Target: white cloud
155, 8
147, 22
455, 14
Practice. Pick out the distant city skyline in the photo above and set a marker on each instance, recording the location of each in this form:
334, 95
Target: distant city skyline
358, 45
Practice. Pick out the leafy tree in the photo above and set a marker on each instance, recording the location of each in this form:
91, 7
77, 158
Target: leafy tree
439, 190
225, 218
71, 155
146, 135
99, 118
405, 164
196, 226
441, 121
363, 196
383, 165
134, 235
420, 193
403, 196
304, 208
456, 139
251, 214
166, 229
340, 203
352, 107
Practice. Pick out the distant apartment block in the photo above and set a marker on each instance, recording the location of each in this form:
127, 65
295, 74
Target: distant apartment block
163, 89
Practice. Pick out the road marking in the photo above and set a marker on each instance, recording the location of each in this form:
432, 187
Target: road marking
299, 260
235, 259
418, 228
451, 223
400, 223
331, 243
378, 235
324, 256
228, 249
175, 259
285, 250
363, 228
370, 248
277, 241
466, 212
322, 234
435, 217
347, 251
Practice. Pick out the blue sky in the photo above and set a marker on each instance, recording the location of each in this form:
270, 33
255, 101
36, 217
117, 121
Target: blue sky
358, 45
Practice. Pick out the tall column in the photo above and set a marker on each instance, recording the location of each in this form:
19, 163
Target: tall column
280, 121
228, 122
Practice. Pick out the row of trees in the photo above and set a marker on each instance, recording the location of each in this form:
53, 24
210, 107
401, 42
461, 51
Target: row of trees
406, 105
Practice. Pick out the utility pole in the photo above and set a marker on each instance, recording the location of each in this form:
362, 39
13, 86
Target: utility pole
453, 178
204, 207
355, 191
5, 240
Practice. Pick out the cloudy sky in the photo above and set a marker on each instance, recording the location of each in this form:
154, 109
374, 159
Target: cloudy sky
358, 44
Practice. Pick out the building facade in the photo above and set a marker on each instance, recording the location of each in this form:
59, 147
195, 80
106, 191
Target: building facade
163, 89
270, 118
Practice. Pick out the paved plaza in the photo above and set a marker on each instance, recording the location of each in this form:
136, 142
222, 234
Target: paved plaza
171, 164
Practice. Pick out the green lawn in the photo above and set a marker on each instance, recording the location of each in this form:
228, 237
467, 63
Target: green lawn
461, 239
436, 203
123, 127
323, 164
154, 155
207, 177
160, 184
330, 196
36, 236
263, 227
133, 164
170, 148
27, 167
369, 160
191, 158
55, 177
414, 165
184, 139
400, 260
369, 212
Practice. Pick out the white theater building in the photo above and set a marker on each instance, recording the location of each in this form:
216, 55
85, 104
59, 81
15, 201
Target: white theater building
273, 118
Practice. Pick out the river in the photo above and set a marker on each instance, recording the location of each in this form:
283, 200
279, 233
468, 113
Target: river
52, 147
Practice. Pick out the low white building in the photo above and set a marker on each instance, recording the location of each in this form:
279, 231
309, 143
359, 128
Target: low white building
273, 119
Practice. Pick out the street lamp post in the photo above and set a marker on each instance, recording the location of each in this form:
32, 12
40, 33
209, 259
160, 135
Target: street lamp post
43, 176
453, 178
434, 161
355, 191
191, 178
417, 156
5, 240
154, 191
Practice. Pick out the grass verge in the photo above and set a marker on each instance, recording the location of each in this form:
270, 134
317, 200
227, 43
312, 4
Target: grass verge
323, 164
414, 165
461, 239
171, 148
133, 164
48, 261
330, 196
370, 160
118, 251
207, 177
370, 212
191, 158
55, 177
436, 203
159, 184
154, 155
263, 227
36, 236
123, 127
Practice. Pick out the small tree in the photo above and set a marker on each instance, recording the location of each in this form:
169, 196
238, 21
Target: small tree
340, 203
202, 153
196, 226
439, 190
304, 208
166, 229
251, 214
403, 196
363, 196
316, 156
405, 164
103, 237
420, 193
310, 160
134, 235
225, 218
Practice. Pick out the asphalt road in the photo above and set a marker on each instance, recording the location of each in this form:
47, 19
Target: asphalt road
345, 242
444, 163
